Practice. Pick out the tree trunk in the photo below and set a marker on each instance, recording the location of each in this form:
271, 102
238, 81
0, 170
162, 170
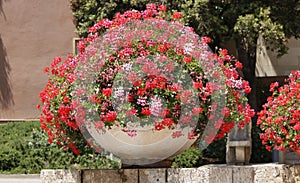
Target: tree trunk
247, 55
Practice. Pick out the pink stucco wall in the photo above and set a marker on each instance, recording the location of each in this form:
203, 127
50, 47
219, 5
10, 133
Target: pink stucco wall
32, 33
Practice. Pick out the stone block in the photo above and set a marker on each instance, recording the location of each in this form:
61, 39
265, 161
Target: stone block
243, 174
61, 176
110, 176
191, 175
220, 174
271, 173
154, 175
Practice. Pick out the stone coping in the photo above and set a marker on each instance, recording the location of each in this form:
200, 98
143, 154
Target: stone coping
214, 173
21, 176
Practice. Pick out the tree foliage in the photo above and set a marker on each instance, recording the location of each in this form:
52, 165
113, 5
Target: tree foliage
221, 20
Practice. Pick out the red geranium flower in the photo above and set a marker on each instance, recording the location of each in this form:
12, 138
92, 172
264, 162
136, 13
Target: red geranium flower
176, 15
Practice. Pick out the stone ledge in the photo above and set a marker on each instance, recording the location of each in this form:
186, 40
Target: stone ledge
275, 173
20, 176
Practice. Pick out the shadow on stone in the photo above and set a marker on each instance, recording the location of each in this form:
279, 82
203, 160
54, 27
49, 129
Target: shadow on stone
6, 95
1, 8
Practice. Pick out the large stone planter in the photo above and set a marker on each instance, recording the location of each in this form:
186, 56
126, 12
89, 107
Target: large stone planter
290, 158
147, 147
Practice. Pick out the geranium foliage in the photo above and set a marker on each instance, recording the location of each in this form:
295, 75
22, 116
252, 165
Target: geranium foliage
63, 114
280, 117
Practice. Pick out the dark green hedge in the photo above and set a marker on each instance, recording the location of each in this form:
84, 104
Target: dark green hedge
24, 149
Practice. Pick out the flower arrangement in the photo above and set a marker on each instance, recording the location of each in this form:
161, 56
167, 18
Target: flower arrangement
141, 67
280, 117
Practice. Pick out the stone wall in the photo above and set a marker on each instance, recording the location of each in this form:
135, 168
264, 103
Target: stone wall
269, 65
275, 173
32, 33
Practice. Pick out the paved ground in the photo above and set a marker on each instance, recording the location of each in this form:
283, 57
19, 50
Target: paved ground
20, 179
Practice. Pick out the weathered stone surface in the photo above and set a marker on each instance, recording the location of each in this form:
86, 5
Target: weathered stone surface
191, 175
110, 176
155, 175
61, 176
291, 173
266, 173
220, 173
243, 174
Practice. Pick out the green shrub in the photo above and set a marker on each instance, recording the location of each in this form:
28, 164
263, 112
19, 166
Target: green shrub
13, 140
188, 158
216, 151
24, 149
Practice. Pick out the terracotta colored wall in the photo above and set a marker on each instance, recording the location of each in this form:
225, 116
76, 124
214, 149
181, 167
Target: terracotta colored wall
32, 33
